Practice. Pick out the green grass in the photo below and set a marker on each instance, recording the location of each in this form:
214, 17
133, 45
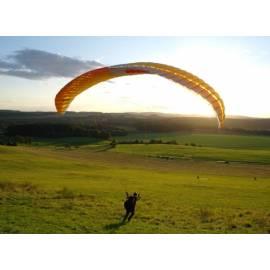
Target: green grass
207, 140
196, 153
81, 190
72, 141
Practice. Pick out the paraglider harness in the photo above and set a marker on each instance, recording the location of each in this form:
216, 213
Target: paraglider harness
130, 202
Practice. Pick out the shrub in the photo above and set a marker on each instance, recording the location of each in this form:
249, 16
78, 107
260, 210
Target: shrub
113, 143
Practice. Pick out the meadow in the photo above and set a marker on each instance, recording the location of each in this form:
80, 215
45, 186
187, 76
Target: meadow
219, 184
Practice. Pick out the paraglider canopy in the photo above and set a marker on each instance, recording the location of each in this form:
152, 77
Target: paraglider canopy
182, 77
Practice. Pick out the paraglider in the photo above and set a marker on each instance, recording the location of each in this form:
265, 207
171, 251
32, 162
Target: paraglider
182, 77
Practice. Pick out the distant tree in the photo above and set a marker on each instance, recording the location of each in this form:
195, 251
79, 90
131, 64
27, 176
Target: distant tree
172, 142
11, 141
113, 143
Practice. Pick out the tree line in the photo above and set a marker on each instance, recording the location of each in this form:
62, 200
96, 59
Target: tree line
58, 130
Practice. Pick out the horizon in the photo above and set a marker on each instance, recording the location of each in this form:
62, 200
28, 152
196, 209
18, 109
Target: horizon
34, 69
146, 112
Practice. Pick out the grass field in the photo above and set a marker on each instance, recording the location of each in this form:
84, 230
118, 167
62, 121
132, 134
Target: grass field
47, 188
207, 140
197, 153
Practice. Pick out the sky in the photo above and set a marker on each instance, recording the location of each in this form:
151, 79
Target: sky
34, 69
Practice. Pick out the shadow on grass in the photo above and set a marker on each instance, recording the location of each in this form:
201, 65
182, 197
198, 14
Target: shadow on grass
113, 227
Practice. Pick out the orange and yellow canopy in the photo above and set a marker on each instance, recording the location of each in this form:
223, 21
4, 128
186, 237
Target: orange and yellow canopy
92, 77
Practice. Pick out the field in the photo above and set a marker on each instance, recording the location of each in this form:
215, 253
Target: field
207, 140
221, 184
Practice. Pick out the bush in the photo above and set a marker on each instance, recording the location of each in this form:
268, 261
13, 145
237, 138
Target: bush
113, 143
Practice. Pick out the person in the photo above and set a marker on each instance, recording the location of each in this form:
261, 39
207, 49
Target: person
130, 205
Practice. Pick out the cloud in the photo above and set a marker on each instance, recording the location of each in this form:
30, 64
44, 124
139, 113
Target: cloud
37, 64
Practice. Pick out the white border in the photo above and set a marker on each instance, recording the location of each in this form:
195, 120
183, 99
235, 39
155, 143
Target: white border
132, 252
140, 17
